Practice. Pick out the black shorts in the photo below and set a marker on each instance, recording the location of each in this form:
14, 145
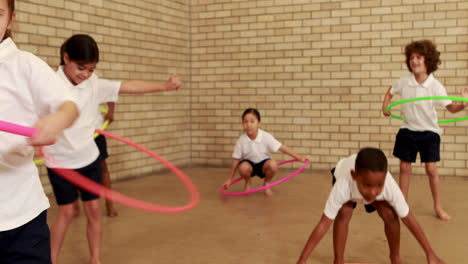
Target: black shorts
257, 168
27, 244
66, 192
369, 207
408, 143
101, 143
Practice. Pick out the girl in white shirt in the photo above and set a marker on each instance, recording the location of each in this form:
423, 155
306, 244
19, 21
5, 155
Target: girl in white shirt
30, 95
252, 152
76, 148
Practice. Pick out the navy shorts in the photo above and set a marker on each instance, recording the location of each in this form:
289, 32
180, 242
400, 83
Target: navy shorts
408, 143
101, 143
66, 193
257, 167
369, 207
27, 244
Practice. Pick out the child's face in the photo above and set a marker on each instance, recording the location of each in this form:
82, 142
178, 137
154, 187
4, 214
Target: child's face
370, 183
251, 124
6, 19
417, 63
77, 73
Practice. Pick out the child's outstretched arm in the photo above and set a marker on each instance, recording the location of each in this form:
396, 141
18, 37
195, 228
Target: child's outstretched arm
235, 162
454, 108
140, 87
386, 102
110, 112
418, 233
50, 126
319, 231
291, 153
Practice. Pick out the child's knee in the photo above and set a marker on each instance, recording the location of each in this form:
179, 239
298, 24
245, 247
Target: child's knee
245, 170
270, 166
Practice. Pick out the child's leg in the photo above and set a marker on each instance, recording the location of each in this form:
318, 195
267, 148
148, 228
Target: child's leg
245, 171
340, 231
93, 213
431, 170
269, 169
392, 229
107, 183
405, 170
59, 228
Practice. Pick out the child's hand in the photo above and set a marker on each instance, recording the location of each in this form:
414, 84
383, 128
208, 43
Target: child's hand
47, 132
385, 112
464, 92
173, 83
302, 159
227, 183
433, 259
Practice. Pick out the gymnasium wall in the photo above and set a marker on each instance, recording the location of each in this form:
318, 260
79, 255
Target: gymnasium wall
145, 40
318, 71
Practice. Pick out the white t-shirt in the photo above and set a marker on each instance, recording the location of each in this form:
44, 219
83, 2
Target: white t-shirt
255, 150
346, 189
420, 115
29, 89
76, 148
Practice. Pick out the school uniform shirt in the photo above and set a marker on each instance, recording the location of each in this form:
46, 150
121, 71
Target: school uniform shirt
29, 89
76, 148
346, 189
420, 115
256, 150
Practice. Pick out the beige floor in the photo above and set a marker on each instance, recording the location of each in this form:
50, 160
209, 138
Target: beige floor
255, 229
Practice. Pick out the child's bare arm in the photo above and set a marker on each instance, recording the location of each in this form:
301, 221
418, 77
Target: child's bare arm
454, 108
50, 126
110, 112
235, 162
386, 102
318, 233
291, 153
141, 87
418, 233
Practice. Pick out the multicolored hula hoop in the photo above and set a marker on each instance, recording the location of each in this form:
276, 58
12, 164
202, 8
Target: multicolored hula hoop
455, 98
95, 188
266, 186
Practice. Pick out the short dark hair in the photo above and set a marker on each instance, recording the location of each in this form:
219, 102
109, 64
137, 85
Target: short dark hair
251, 111
371, 159
427, 49
80, 48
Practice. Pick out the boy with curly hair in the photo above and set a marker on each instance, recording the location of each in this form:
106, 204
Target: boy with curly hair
420, 131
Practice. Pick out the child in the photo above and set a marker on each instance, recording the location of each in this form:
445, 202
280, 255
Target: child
364, 178
251, 153
76, 149
420, 131
30, 95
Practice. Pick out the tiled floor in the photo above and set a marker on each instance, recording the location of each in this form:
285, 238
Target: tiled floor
255, 229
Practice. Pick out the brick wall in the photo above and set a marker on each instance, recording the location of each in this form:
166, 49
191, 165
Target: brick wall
318, 71
145, 40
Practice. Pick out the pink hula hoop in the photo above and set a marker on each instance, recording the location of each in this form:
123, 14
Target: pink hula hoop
266, 186
93, 187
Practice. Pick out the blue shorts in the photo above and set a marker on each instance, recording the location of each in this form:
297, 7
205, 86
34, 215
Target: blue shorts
66, 192
102, 146
27, 244
408, 143
257, 168
369, 207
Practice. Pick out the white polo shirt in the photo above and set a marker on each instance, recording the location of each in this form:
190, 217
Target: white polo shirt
255, 150
346, 189
420, 115
76, 148
29, 89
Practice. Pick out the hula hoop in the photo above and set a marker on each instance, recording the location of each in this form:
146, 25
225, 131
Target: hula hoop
266, 186
93, 187
455, 98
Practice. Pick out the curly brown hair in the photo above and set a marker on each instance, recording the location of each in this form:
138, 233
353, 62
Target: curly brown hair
427, 49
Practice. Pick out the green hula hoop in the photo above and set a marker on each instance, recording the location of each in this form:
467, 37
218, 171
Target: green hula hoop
454, 98
103, 127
